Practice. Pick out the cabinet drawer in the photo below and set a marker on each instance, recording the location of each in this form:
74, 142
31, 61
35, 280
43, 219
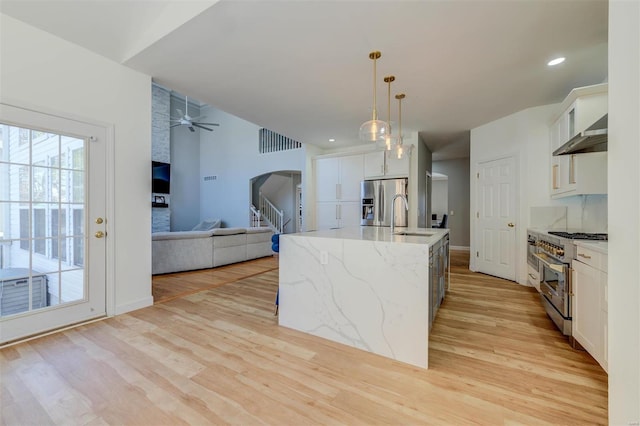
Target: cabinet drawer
589, 257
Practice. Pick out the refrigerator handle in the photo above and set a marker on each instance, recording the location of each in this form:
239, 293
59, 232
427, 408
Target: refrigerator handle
380, 206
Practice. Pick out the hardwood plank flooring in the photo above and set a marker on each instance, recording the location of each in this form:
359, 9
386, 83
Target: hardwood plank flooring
170, 286
212, 353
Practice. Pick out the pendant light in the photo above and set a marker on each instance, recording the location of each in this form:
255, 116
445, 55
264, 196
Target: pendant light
387, 142
373, 130
401, 150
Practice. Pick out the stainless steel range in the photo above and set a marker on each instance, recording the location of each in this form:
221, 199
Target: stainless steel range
555, 251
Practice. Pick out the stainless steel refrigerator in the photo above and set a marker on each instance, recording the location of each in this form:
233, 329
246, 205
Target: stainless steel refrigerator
376, 198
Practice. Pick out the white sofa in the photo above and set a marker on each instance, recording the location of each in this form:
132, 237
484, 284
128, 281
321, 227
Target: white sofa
189, 250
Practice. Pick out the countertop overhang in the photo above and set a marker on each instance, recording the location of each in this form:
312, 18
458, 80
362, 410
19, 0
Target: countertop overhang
380, 234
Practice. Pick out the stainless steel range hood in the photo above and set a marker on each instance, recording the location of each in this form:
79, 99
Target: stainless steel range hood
592, 139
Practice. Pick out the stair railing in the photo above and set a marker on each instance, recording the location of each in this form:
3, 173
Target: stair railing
255, 216
271, 215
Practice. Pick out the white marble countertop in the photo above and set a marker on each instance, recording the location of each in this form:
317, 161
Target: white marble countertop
379, 234
599, 246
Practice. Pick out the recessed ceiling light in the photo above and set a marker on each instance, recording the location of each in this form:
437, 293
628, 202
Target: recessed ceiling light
332, 140
555, 61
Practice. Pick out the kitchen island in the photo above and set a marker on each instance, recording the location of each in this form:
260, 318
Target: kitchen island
363, 287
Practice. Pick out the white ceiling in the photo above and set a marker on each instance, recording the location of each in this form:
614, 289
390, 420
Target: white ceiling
301, 68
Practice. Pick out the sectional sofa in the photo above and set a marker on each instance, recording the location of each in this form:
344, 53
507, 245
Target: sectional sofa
189, 250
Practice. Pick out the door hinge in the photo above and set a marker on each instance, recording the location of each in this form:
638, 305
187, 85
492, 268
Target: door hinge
478, 175
478, 215
477, 254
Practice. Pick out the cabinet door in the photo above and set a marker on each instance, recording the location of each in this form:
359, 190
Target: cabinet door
586, 325
395, 167
327, 214
327, 179
374, 164
349, 214
351, 174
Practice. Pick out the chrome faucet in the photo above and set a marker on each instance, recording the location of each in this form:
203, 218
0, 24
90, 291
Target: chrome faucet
393, 210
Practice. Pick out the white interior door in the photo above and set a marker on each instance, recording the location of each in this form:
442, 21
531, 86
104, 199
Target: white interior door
52, 224
496, 218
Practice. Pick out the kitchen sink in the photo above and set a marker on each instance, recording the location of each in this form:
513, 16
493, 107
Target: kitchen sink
416, 233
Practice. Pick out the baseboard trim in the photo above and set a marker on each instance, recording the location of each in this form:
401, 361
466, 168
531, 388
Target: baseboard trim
138, 304
460, 248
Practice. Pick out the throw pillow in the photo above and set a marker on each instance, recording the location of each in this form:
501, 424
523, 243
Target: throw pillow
207, 225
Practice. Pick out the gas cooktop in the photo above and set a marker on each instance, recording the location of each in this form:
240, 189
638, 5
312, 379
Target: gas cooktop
580, 235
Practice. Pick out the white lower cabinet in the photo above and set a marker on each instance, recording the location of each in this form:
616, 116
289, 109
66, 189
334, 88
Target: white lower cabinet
589, 299
337, 215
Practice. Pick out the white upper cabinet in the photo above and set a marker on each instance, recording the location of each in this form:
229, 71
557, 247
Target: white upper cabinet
396, 167
327, 179
351, 174
577, 174
338, 178
374, 164
384, 164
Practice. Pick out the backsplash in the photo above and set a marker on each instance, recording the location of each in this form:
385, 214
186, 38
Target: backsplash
592, 213
548, 217
586, 213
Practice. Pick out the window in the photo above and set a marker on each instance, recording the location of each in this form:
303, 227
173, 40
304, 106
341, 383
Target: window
39, 231
25, 233
58, 225
78, 241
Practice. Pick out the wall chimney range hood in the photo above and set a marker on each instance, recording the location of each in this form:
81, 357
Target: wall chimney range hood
592, 139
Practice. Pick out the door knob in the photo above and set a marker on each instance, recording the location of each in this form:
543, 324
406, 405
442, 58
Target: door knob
510, 225
99, 234
99, 220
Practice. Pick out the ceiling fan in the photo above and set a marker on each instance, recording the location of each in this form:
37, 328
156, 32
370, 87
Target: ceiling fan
188, 121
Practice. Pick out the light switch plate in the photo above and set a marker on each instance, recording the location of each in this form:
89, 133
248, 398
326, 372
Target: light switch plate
324, 258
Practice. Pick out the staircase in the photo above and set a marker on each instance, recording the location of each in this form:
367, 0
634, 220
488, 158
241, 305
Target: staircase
267, 215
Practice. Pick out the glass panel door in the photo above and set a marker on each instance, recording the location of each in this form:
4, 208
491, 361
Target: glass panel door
44, 186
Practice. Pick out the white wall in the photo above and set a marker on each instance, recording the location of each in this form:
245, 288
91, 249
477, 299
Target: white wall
440, 196
624, 212
421, 162
524, 135
54, 76
457, 171
231, 154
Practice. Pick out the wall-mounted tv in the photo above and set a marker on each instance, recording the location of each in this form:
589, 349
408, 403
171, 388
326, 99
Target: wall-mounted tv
161, 173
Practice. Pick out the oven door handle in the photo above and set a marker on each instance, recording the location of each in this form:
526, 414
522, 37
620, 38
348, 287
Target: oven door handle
558, 267
544, 290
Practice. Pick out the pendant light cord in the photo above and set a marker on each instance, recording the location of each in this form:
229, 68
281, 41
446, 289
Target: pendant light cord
400, 97
375, 113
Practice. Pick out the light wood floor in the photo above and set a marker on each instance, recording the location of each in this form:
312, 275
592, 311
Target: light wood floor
217, 356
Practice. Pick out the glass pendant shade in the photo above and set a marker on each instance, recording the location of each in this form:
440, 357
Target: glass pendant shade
402, 151
388, 141
373, 130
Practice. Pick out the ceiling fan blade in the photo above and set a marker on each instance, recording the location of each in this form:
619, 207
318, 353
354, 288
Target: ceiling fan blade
202, 127
192, 129
175, 125
209, 124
